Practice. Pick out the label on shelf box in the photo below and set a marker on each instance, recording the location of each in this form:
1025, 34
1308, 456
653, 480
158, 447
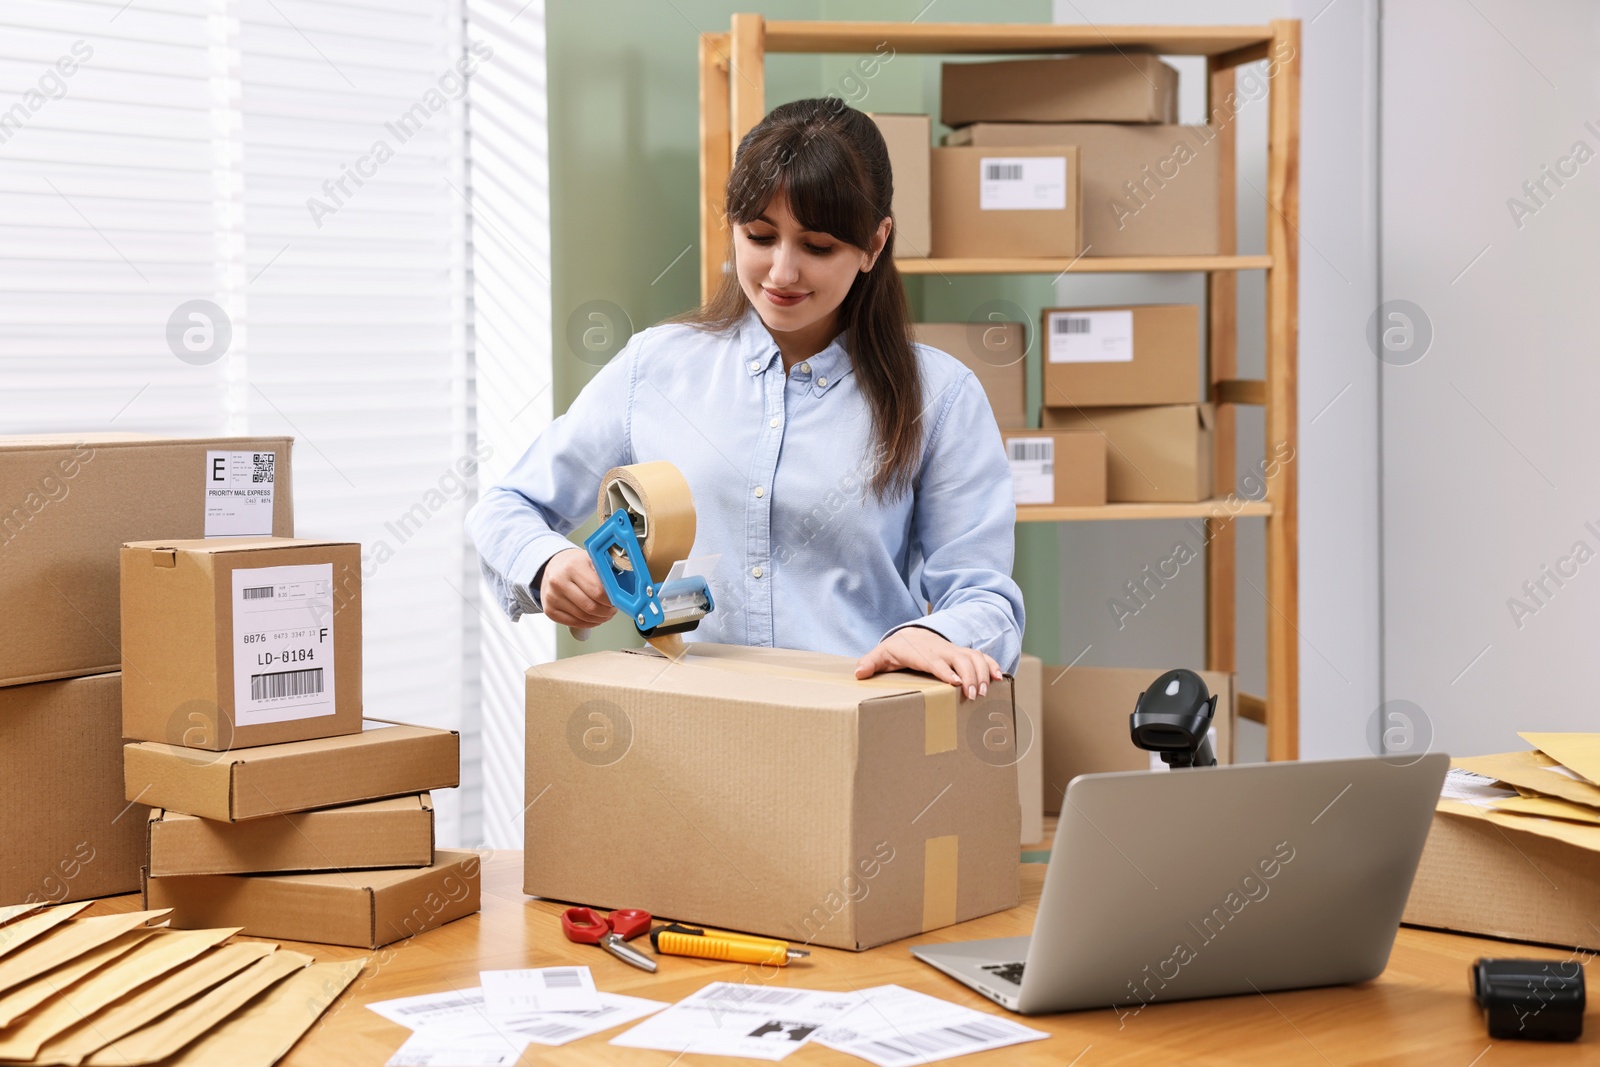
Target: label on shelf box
1090, 337
239, 489
1022, 183
1033, 478
282, 643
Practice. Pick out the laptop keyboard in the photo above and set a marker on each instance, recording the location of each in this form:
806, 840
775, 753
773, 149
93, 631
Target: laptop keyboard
1010, 972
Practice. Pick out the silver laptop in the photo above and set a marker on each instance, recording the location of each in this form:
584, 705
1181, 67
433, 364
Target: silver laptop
1168, 886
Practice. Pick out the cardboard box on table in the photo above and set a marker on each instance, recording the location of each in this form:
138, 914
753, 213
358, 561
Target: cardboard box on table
236, 641
1085, 722
996, 353
1029, 689
384, 760
1006, 202
910, 139
363, 909
1153, 455
1125, 356
1115, 86
1147, 190
767, 791
69, 502
397, 832
68, 833
1057, 468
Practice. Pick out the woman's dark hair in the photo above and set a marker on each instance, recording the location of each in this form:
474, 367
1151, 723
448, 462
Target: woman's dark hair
831, 162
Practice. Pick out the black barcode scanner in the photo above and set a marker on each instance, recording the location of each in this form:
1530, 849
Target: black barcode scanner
1173, 717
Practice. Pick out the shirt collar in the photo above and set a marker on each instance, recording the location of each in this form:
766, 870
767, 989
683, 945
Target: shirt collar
759, 350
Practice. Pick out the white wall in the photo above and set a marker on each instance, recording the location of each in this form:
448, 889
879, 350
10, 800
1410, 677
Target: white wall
1488, 459
1338, 625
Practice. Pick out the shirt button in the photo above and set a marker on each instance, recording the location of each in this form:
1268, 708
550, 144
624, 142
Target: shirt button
760, 491
773, 424
805, 368
822, 381
755, 572
755, 364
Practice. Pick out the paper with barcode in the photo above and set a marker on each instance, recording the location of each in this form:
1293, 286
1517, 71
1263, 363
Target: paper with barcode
239, 488
1033, 479
1089, 337
539, 989
1022, 183
282, 643
427, 1049
728, 1019
1473, 788
463, 1011
894, 1027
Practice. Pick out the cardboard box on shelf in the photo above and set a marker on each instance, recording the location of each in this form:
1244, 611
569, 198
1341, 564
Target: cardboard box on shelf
363, 909
770, 792
1147, 190
386, 759
1493, 880
240, 641
910, 140
1085, 727
1029, 689
1006, 203
1100, 357
996, 352
1153, 455
68, 832
397, 832
1110, 87
67, 504
1059, 468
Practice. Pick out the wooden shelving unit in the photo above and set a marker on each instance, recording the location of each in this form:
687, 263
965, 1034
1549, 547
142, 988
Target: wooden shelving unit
732, 100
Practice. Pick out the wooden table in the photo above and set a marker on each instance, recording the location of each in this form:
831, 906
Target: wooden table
1417, 1011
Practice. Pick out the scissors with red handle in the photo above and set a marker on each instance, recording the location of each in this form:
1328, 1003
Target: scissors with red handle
588, 927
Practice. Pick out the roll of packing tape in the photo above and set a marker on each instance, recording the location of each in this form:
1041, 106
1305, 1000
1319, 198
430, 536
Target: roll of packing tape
657, 496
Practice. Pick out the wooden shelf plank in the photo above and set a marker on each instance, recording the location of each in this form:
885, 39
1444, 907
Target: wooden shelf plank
953, 38
1204, 509
1083, 265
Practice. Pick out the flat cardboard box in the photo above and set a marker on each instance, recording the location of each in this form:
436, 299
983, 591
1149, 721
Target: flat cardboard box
384, 760
240, 641
397, 832
1029, 689
67, 504
1157, 454
1057, 468
68, 832
1102, 357
1477, 878
1147, 190
910, 140
997, 353
362, 909
768, 791
1116, 86
1085, 728
1006, 203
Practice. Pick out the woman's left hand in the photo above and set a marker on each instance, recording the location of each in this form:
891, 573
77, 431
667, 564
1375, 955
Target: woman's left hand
917, 648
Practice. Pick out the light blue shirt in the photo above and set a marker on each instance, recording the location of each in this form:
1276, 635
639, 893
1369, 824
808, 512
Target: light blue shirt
780, 469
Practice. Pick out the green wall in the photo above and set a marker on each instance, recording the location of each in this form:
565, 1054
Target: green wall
624, 176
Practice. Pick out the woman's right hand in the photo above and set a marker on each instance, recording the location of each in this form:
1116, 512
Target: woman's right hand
571, 592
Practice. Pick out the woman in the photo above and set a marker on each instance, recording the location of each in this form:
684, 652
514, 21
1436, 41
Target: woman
846, 476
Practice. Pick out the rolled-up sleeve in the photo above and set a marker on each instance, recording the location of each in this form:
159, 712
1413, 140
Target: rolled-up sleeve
964, 523
523, 520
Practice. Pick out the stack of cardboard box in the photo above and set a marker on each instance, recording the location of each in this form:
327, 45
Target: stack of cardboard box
66, 505
241, 702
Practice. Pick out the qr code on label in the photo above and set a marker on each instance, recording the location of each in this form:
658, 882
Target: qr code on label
265, 468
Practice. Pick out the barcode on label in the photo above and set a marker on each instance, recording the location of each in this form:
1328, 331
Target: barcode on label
1003, 172
1033, 451
745, 995
562, 980
435, 1005
264, 468
915, 1046
259, 592
1071, 324
549, 1031
286, 684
